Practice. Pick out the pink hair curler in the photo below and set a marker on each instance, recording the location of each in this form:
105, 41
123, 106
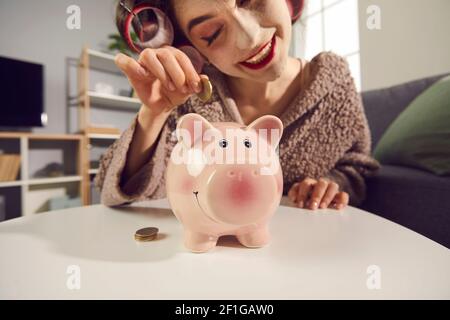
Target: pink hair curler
154, 30
295, 8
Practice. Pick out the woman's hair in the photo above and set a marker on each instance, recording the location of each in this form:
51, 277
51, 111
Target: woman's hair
166, 6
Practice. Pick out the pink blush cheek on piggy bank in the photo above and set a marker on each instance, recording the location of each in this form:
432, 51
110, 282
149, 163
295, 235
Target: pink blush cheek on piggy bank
218, 184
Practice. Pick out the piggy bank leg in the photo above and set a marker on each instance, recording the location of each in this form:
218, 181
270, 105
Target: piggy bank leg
199, 242
256, 238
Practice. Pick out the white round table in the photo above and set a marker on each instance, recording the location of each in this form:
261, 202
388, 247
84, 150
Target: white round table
90, 253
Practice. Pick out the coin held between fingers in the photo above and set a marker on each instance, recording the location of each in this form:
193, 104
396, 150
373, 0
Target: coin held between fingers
195, 87
206, 92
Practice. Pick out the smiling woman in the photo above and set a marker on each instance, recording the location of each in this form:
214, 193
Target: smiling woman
325, 149
295, 8
157, 23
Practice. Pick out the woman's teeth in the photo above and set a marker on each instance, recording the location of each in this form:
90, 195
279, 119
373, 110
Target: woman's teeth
261, 55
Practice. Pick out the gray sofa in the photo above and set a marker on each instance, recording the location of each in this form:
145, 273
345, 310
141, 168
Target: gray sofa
414, 198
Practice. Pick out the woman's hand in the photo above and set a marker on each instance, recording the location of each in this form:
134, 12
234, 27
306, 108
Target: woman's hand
313, 194
163, 78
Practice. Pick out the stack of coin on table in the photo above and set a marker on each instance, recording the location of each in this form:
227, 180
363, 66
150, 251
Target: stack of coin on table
146, 234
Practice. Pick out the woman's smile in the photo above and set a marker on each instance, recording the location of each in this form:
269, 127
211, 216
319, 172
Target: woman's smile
263, 57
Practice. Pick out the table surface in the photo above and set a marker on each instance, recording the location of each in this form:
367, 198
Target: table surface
320, 255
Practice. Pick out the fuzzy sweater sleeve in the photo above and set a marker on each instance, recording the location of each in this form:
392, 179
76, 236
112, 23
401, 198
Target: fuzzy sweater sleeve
350, 173
148, 183
355, 163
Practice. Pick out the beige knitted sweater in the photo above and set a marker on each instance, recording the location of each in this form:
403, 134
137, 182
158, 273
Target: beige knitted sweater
326, 135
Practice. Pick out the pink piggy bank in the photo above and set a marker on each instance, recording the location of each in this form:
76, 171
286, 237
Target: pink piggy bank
225, 179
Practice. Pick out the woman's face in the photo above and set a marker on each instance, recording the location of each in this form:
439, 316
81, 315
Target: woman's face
228, 32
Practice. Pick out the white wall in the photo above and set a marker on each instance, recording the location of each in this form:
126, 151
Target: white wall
414, 41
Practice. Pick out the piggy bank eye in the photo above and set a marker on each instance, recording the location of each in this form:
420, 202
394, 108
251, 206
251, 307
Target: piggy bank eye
223, 143
247, 143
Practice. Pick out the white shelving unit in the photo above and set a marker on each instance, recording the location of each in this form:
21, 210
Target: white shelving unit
103, 136
33, 192
92, 59
31, 182
44, 185
111, 101
101, 61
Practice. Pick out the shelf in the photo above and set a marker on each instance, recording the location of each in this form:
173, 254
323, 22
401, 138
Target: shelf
37, 136
102, 61
55, 137
39, 181
88, 99
8, 184
101, 136
53, 180
113, 101
93, 171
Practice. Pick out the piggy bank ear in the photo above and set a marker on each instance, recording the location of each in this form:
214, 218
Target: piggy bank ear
191, 128
270, 126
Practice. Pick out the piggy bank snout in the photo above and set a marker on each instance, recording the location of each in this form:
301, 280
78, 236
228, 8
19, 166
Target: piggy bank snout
240, 187
239, 174
241, 195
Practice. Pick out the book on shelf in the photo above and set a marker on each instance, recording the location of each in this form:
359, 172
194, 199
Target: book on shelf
9, 167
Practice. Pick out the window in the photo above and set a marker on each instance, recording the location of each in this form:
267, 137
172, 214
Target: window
329, 25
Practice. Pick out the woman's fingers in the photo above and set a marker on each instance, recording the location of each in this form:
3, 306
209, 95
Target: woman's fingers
132, 69
159, 78
304, 190
149, 59
330, 194
173, 69
314, 194
341, 200
318, 192
192, 77
292, 194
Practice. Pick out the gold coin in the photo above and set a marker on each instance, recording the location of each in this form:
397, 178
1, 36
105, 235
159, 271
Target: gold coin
146, 234
206, 92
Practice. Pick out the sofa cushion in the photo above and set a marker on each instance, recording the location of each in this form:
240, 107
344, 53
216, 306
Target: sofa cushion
420, 136
413, 198
382, 106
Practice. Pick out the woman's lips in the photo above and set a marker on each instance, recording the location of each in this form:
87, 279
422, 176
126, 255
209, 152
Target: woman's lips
258, 51
265, 61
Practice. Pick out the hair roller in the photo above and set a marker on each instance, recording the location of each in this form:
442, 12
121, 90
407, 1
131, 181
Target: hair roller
152, 26
295, 9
